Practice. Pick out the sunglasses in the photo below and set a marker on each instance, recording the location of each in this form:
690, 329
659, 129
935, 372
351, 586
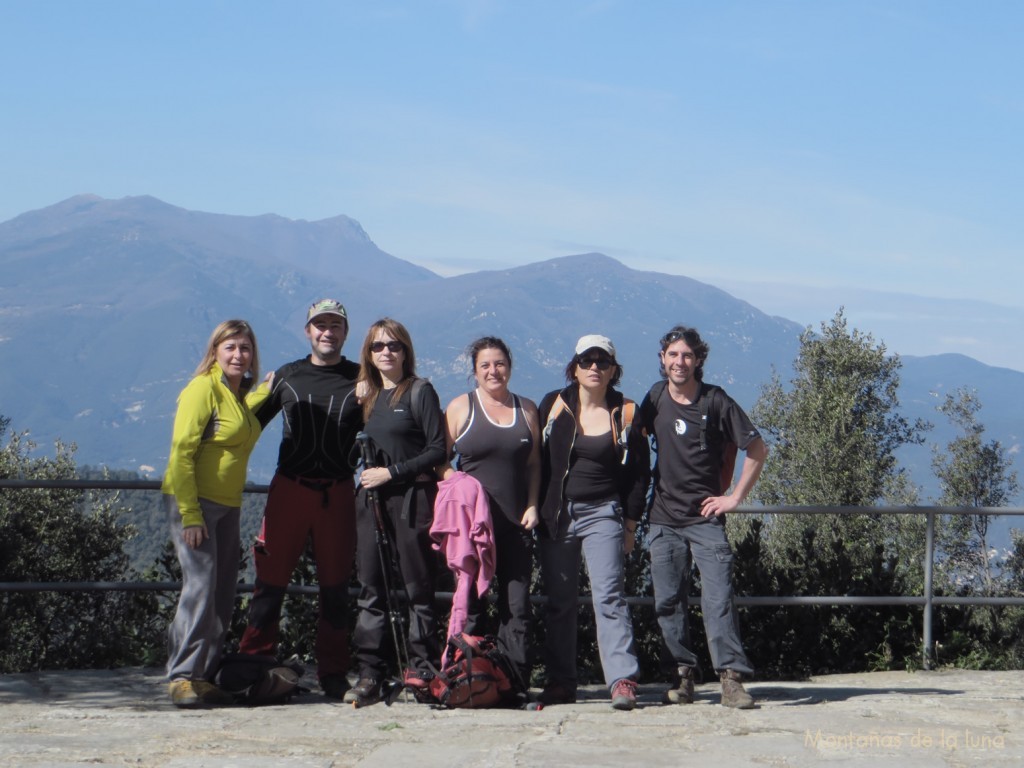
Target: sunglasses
393, 346
602, 363
671, 338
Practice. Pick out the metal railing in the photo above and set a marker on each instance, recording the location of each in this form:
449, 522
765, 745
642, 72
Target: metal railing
929, 600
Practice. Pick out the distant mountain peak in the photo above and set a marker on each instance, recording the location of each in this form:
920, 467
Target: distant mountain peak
590, 260
87, 197
347, 226
269, 238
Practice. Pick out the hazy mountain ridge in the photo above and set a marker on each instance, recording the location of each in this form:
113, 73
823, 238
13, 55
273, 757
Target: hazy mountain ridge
129, 227
105, 307
918, 325
543, 308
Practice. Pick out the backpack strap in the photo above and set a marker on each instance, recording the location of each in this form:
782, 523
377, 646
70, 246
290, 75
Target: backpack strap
556, 409
627, 414
460, 642
622, 425
703, 402
706, 401
414, 399
653, 395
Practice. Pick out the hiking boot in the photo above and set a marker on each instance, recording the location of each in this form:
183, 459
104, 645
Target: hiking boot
682, 691
183, 694
364, 692
624, 694
733, 693
334, 686
210, 694
557, 693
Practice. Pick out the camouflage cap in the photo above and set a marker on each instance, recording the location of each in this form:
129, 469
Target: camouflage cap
326, 307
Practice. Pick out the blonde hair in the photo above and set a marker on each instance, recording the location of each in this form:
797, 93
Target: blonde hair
368, 372
226, 330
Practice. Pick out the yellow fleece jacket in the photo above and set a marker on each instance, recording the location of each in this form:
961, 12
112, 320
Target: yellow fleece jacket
214, 433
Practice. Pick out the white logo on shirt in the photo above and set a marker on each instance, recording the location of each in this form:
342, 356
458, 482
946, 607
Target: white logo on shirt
680, 427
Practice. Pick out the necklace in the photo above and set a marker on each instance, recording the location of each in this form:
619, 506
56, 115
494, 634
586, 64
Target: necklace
488, 400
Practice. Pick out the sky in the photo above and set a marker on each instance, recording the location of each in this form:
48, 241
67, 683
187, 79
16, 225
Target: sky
803, 155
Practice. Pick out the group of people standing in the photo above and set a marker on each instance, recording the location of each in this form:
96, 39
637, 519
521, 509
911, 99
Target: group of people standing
570, 477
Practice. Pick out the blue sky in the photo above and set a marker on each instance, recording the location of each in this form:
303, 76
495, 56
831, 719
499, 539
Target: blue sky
801, 155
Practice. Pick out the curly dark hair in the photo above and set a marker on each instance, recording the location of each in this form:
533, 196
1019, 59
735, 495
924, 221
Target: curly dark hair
693, 341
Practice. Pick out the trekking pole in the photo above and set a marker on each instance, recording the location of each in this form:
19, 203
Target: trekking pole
385, 551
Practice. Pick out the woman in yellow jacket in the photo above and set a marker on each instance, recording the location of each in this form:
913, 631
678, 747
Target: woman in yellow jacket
214, 433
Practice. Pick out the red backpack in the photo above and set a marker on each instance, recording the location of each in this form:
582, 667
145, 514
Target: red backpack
478, 674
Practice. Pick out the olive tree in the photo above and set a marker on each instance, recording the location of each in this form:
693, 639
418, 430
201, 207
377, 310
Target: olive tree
833, 433
971, 473
62, 535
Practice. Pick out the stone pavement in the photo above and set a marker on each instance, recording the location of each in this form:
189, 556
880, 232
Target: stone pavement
123, 717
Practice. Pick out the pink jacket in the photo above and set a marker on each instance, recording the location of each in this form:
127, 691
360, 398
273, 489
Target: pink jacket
463, 530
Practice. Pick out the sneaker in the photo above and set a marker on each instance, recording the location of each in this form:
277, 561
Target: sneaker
682, 691
733, 693
210, 694
334, 686
624, 694
183, 694
364, 693
557, 693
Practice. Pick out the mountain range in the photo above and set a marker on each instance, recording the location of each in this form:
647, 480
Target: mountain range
106, 305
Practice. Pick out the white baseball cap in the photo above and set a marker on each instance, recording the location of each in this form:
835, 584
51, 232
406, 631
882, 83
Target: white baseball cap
595, 341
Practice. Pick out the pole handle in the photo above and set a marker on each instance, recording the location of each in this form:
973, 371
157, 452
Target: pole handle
365, 451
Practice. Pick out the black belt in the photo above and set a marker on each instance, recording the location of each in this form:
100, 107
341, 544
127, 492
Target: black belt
320, 485
394, 488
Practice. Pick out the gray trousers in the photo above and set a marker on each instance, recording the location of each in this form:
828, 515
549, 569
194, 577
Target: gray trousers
595, 528
673, 552
209, 574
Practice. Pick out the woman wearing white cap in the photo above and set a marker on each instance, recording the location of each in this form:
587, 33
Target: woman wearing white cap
595, 472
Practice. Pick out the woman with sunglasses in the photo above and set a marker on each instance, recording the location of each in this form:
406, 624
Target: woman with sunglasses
496, 437
596, 468
406, 437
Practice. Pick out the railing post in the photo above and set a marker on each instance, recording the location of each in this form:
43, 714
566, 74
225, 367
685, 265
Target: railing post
929, 560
